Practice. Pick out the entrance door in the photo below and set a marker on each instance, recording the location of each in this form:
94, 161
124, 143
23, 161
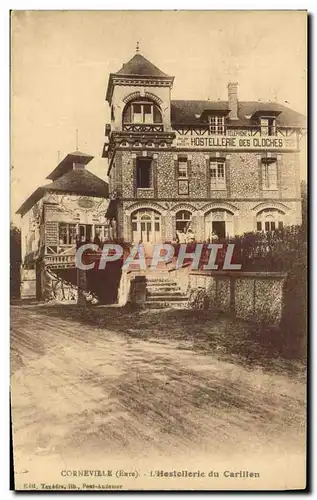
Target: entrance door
219, 228
146, 230
146, 226
219, 222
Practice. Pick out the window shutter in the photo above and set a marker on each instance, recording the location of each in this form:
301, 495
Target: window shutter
176, 169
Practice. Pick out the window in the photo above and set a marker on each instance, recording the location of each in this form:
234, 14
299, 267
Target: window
144, 173
67, 234
183, 221
182, 168
216, 125
269, 175
101, 232
144, 111
217, 174
268, 126
270, 220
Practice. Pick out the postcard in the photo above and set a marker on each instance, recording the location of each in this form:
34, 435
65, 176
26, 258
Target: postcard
158, 250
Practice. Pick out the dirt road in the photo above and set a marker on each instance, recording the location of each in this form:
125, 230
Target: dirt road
84, 393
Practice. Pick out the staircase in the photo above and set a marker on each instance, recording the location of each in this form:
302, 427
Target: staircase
162, 292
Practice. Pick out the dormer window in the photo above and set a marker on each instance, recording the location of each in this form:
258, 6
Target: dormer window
216, 124
142, 112
268, 126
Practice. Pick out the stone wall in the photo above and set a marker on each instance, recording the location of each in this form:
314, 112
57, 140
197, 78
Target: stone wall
253, 296
28, 284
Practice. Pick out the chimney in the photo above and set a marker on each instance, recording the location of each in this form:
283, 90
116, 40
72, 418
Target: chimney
233, 100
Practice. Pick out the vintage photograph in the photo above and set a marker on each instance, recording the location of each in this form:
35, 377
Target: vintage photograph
158, 250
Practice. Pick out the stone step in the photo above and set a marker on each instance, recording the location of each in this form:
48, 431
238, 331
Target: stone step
160, 281
166, 298
161, 284
163, 289
158, 304
165, 295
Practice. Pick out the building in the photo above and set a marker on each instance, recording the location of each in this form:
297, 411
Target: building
208, 167
55, 217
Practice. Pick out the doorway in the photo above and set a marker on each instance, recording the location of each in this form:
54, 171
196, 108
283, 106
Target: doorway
219, 222
146, 226
219, 228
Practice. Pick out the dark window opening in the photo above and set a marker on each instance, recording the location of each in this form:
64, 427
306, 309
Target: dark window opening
219, 229
144, 173
259, 226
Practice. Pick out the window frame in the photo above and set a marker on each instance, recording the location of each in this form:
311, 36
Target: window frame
216, 124
266, 175
68, 226
269, 129
129, 113
184, 162
139, 161
215, 165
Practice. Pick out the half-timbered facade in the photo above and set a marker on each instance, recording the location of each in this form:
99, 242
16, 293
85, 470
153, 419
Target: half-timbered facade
202, 168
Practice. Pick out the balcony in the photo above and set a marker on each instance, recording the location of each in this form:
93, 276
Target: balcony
143, 127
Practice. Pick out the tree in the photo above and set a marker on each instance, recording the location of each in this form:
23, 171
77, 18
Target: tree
303, 188
15, 261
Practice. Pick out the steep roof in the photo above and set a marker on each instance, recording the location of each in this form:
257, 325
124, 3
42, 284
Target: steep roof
138, 68
76, 182
139, 65
189, 112
67, 164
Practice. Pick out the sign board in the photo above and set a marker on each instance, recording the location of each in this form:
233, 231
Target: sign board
235, 142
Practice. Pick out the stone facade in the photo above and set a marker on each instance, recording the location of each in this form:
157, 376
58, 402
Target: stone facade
247, 199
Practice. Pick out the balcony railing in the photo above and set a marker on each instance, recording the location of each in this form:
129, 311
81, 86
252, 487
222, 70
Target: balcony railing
60, 260
143, 127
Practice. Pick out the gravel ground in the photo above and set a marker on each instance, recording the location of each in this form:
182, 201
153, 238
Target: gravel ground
170, 384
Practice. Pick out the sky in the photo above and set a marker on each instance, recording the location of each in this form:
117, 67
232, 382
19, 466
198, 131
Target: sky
61, 60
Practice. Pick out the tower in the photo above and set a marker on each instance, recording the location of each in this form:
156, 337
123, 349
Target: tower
139, 96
